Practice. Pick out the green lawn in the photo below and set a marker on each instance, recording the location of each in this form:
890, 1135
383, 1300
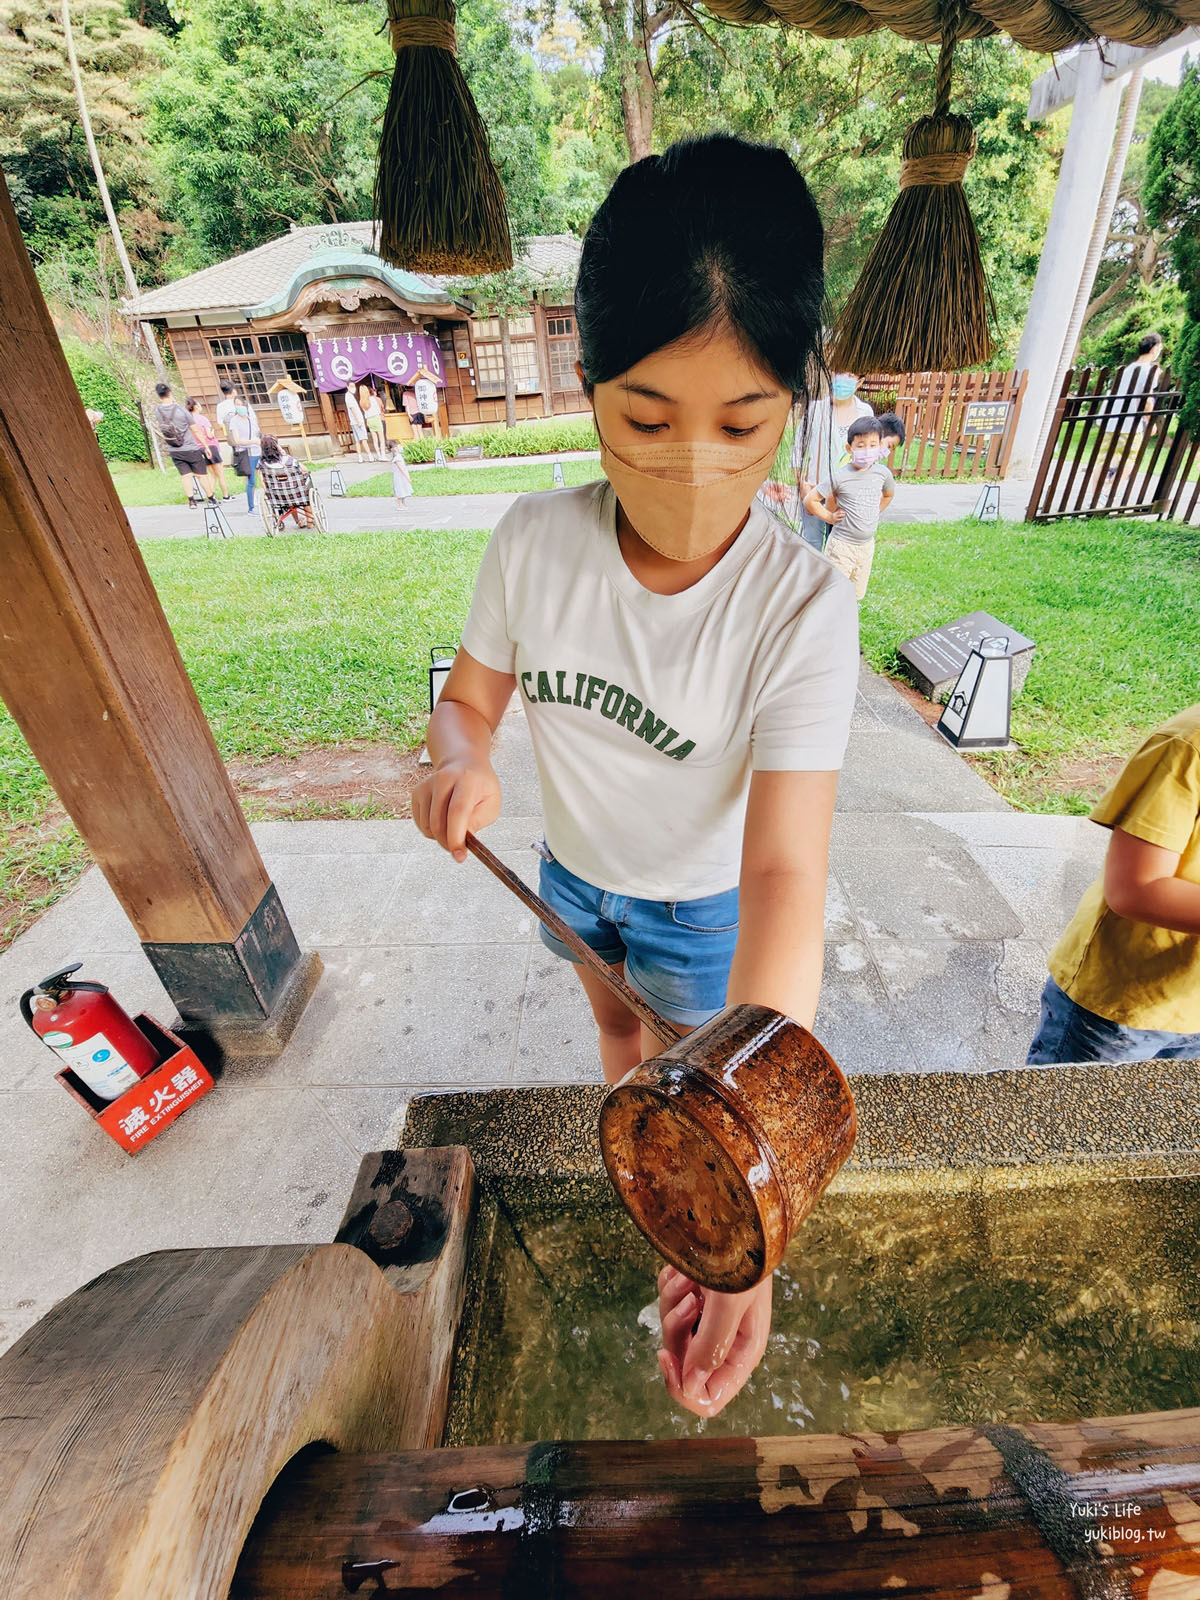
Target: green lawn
141, 485
290, 643
519, 478
301, 641
1112, 606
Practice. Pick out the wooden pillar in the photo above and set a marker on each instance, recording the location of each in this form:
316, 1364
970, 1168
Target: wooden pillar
330, 418
92, 675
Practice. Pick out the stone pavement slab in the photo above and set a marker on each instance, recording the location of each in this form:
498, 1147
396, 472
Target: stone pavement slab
942, 903
914, 502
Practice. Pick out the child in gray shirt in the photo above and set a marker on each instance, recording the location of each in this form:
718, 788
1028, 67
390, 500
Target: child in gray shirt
852, 499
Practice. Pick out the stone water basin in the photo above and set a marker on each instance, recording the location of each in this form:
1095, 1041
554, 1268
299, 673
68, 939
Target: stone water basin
1004, 1247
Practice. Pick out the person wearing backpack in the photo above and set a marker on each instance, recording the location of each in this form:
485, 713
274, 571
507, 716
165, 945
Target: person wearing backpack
174, 425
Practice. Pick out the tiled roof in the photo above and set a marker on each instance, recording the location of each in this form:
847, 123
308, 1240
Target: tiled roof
554, 255
261, 274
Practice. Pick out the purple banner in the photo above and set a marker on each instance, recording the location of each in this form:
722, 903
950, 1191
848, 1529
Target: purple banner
395, 356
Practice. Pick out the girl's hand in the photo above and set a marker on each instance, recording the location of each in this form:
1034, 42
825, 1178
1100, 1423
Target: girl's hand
459, 796
711, 1342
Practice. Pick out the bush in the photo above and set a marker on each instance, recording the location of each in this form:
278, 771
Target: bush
120, 435
1158, 309
526, 439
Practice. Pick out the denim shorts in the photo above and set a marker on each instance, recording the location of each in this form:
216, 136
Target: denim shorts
1067, 1032
677, 953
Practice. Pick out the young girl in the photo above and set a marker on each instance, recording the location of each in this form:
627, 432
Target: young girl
207, 435
687, 664
401, 481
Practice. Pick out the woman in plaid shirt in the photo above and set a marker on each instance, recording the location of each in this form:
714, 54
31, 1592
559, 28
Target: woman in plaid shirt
286, 483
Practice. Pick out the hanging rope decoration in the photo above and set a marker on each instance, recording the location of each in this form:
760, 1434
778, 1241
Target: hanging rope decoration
922, 300
438, 196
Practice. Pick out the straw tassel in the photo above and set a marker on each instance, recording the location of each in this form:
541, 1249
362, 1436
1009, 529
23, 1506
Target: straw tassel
922, 301
438, 196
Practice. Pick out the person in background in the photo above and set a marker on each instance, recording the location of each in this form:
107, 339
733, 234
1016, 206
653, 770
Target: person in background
207, 435
174, 425
373, 414
852, 499
224, 406
286, 483
1124, 980
891, 431
1126, 417
818, 448
94, 417
358, 424
401, 478
415, 415
241, 425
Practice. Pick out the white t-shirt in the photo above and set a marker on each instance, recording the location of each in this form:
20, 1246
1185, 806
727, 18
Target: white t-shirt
648, 711
1139, 377
225, 410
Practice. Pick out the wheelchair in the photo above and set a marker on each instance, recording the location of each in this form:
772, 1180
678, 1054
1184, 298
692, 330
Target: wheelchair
273, 522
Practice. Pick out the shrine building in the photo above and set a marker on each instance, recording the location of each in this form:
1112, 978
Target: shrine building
319, 307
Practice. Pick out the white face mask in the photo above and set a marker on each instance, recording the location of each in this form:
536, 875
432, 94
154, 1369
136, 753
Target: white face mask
865, 455
684, 500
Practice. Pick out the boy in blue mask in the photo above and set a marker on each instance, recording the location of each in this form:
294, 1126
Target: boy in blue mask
851, 499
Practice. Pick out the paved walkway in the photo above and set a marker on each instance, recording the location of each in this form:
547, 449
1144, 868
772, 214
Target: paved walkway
914, 502
942, 904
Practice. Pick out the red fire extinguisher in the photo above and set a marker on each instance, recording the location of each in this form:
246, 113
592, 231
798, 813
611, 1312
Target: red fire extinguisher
89, 1032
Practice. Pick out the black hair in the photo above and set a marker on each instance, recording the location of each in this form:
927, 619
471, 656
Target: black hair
890, 423
861, 427
270, 447
226, 386
162, 390
1147, 343
714, 231
191, 402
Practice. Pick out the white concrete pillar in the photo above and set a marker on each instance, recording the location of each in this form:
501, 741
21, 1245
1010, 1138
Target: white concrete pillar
1080, 181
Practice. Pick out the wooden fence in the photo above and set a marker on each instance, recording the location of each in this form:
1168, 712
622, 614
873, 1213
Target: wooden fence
1117, 455
933, 408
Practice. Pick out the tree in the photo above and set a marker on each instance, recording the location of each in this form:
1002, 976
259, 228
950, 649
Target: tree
840, 108
1172, 198
42, 144
1132, 266
266, 118
112, 372
514, 104
630, 36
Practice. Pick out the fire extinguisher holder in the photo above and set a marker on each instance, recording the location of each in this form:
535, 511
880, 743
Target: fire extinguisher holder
139, 1115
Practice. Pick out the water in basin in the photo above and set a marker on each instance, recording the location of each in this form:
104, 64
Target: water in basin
904, 1304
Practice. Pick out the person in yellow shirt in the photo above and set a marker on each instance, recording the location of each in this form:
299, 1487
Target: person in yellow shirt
1124, 979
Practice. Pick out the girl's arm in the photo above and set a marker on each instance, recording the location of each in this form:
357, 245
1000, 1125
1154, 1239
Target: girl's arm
713, 1342
463, 792
781, 909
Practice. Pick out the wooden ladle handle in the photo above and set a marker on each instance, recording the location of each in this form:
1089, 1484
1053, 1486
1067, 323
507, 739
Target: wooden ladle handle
658, 1026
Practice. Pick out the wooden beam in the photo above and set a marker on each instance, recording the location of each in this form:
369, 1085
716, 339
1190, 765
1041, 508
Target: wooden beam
88, 665
1102, 1508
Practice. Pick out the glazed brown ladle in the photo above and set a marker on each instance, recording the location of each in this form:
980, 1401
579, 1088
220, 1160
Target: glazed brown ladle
721, 1146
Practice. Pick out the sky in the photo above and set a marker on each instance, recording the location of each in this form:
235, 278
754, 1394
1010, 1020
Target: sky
1168, 67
